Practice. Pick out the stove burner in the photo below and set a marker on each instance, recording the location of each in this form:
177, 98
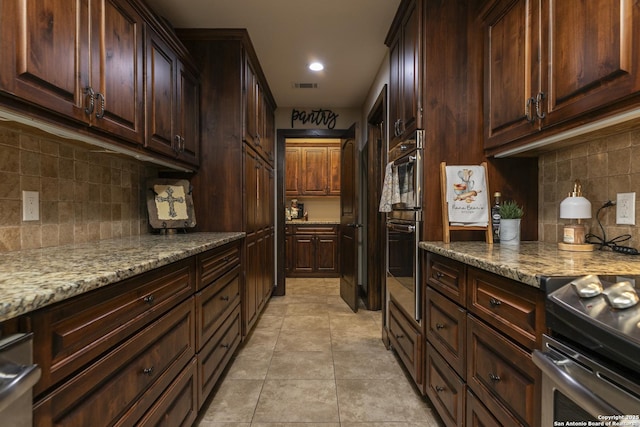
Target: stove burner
621, 295
587, 286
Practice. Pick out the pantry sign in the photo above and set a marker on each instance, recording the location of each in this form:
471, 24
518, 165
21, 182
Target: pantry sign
318, 117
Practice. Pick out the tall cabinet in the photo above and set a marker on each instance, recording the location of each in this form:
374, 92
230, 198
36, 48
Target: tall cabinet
234, 188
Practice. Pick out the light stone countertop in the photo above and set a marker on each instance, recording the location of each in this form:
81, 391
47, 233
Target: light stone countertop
313, 222
528, 261
34, 278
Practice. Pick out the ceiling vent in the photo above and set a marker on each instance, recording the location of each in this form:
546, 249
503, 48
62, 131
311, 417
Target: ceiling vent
305, 85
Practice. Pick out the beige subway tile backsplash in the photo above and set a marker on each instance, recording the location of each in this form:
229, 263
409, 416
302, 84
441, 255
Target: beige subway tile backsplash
605, 167
84, 195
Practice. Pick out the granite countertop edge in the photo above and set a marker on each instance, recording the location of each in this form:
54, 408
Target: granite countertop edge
34, 278
531, 262
312, 222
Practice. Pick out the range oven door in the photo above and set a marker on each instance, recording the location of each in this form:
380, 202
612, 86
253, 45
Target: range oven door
579, 388
408, 171
403, 270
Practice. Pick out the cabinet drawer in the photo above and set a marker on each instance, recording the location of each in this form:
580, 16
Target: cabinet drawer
178, 405
407, 341
446, 329
479, 416
447, 276
316, 229
122, 385
216, 353
69, 335
445, 389
502, 374
512, 307
214, 263
214, 303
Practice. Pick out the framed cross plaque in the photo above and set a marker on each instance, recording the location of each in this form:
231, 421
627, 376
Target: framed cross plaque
170, 204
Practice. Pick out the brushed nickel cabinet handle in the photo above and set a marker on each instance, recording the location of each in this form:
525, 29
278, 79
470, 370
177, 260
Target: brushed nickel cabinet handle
100, 114
440, 389
148, 371
149, 299
225, 298
225, 346
89, 93
439, 326
399, 336
538, 101
494, 378
439, 275
494, 302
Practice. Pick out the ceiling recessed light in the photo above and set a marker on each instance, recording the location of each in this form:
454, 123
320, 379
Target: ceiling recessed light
316, 66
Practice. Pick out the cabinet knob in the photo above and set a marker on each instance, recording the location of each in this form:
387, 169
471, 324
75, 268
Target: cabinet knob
225, 298
399, 336
149, 299
148, 371
494, 378
440, 389
225, 346
494, 302
439, 275
439, 326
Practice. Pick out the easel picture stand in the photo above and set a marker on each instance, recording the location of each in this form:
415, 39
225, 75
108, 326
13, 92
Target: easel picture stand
446, 225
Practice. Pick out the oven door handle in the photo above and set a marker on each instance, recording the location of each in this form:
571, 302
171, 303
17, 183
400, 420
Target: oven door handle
402, 228
569, 386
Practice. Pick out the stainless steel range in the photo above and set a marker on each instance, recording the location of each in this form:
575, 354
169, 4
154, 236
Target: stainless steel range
591, 358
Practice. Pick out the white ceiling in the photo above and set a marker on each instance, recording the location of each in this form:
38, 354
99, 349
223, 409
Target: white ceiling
346, 35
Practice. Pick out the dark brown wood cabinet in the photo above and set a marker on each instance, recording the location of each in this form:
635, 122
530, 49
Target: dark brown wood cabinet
481, 329
313, 251
407, 341
312, 170
550, 63
235, 182
405, 40
146, 350
173, 101
82, 60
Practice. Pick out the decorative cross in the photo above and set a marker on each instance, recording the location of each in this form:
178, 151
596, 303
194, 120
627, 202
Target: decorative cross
171, 200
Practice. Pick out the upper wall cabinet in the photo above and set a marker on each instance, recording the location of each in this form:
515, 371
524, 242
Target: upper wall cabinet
313, 170
259, 126
172, 103
406, 70
550, 63
77, 58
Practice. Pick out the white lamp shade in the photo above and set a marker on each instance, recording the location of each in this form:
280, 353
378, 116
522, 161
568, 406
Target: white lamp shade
575, 208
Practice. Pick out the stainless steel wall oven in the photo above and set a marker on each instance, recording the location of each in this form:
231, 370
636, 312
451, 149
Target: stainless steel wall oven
590, 360
404, 226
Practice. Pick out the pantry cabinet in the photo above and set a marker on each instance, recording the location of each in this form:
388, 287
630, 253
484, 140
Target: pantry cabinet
481, 329
405, 40
312, 251
312, 170
235, 183
550, 63
80, 59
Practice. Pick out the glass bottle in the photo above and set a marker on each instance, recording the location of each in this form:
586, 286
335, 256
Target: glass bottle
495, 216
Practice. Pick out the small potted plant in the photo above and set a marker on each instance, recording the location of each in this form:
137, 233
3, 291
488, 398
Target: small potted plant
510, 215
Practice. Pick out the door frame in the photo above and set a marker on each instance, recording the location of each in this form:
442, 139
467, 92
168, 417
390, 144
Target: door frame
281, 136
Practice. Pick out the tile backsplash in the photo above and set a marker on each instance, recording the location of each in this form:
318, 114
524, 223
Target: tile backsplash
86, 194
605, 166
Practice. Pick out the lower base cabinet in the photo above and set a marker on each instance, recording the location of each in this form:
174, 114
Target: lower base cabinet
480, 331
407, 342
312, 251
145, 351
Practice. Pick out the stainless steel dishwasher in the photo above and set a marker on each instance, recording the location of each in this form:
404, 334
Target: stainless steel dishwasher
18, 375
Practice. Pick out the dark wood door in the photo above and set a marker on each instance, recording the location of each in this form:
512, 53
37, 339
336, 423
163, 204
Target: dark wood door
512, 43
188, 115
326, 254
593, 55
349, 224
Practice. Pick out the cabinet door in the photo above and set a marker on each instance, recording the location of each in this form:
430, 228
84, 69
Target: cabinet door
304, 250
512, 45
327, 254
45, 53
161, 96
411, 66
394, 91
334, 170
314, 171
593, 54
293, 163
269, 129
116, 75
188, 115
251, 106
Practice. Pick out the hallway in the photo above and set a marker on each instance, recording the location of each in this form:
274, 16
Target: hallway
311, 360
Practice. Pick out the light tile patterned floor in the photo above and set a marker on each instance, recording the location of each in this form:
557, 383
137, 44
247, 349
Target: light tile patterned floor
311, 360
